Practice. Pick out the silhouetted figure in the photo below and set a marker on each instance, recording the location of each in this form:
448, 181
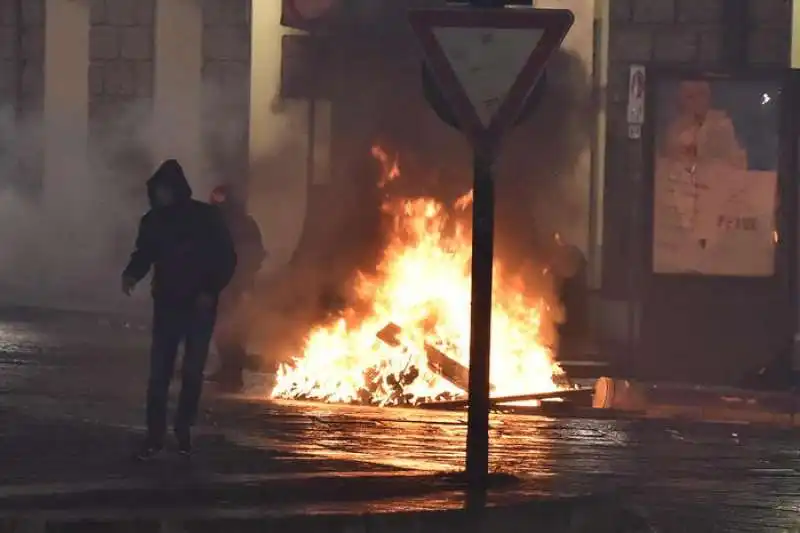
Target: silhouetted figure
233, 329
573, 292
188, 245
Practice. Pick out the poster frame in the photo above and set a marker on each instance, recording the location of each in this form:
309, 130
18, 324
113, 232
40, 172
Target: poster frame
787, 193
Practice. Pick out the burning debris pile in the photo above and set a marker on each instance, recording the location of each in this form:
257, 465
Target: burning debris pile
408, 341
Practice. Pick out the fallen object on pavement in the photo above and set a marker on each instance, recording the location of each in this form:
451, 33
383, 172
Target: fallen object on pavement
501, 400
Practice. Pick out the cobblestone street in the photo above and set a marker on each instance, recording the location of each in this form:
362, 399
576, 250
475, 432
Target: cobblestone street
70, 412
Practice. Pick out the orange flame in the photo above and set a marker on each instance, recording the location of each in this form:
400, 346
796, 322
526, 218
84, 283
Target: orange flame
423, 285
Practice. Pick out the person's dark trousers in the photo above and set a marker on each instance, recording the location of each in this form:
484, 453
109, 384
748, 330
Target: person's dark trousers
173, 323
231, 342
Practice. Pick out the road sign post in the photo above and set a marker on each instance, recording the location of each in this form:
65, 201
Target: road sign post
486, 63
480, 319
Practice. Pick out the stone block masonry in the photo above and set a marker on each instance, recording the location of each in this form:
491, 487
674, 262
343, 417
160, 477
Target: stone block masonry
32, 57
21, 89
226, 86
121, 60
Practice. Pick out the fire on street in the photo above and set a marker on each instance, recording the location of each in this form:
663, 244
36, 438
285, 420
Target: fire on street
406, 341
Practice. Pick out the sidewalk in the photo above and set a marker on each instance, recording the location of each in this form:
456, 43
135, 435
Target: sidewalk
58, 474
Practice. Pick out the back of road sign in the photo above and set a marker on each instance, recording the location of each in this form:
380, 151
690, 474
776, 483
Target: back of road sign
487, 61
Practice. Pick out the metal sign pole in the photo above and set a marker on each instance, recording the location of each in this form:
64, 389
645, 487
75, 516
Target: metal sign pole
480, 322
467, 56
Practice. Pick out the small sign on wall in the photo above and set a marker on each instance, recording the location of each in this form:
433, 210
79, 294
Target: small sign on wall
636, 95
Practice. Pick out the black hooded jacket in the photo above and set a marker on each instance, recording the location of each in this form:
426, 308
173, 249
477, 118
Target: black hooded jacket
186, 243
247, 241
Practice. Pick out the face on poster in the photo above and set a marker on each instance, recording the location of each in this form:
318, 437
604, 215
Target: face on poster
715, 183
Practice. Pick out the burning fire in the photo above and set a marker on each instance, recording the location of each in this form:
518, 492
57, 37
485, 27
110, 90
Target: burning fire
422, 285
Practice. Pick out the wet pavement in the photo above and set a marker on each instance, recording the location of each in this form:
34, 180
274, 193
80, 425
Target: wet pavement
70, 393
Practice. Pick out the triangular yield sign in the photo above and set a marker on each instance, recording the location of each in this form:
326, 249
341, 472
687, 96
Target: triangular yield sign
473, 54
487, 61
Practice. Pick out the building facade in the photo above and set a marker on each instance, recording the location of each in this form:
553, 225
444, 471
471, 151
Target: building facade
93, 93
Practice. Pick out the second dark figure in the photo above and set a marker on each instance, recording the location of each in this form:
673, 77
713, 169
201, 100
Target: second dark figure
235, 320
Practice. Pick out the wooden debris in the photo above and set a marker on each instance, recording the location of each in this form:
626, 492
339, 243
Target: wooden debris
500, 400
447, 367
390, 335
438, 362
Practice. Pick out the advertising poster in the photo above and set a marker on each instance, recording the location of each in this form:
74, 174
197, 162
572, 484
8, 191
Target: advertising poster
715, 183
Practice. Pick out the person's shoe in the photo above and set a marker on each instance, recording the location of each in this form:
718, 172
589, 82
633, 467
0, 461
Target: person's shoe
149, 450
184, 439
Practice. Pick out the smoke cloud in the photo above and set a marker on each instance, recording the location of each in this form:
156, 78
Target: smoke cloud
68, 251
541, 187
64, 243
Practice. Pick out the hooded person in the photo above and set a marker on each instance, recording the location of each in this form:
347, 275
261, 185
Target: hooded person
233, 329
189, 249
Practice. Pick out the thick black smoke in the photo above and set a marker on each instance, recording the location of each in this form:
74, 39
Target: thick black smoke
378, 99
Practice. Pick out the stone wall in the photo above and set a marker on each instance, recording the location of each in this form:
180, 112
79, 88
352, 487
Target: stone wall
21, 91
9, 53
120, 73
121, 58
680, 33
770, 38
31, 63
121, 80
226, 87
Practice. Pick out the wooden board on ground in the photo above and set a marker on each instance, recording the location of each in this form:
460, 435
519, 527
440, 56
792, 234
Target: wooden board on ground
438, 362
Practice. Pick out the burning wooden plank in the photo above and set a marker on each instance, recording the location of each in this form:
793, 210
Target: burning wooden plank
390, 335
438, 362
447, 367
500, 400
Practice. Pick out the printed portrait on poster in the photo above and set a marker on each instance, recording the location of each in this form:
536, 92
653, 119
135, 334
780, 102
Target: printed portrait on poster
715, 183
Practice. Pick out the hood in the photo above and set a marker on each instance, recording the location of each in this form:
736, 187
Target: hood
169, 174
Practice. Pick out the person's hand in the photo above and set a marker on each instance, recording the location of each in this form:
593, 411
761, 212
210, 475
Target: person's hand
128, 284
205, 301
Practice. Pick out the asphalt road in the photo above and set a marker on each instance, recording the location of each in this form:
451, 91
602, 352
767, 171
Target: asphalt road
71, 387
